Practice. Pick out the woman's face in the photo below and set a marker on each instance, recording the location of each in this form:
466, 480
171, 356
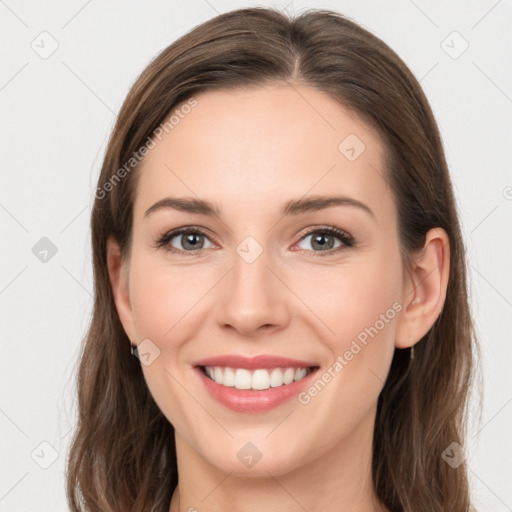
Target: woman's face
263, 278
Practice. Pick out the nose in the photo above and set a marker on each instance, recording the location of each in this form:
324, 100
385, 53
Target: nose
253, 299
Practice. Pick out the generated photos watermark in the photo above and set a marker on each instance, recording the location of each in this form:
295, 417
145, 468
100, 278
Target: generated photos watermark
355, 348
137, 156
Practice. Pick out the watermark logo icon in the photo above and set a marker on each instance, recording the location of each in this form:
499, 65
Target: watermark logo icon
146, 352
454, 455
454, 45
44, 250
249, 249
351, 147
44, 455
45, 45
249, 455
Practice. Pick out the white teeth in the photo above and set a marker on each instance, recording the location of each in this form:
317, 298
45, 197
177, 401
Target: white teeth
242, 379
276, 378
288, 376
300, 373
229, 377
259, 379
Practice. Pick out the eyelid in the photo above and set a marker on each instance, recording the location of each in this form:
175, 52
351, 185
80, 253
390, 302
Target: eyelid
326, 229
347, 240
164, 240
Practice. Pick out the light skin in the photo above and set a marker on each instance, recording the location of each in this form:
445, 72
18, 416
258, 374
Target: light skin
248, 152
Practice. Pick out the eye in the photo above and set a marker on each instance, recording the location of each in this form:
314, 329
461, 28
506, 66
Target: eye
191, 240
323, 240
184, 240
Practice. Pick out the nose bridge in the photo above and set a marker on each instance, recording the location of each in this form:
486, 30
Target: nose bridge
250, 266
253, 296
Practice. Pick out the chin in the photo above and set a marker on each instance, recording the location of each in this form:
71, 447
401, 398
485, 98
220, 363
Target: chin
256, 459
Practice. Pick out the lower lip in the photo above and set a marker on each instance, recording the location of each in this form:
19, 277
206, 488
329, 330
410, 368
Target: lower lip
250, 400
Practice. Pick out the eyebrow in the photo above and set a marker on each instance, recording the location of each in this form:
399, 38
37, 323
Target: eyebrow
292, 207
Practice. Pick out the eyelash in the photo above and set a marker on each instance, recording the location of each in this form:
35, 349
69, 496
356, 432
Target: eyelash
346, 239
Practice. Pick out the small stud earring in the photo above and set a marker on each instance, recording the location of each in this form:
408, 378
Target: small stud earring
133, 350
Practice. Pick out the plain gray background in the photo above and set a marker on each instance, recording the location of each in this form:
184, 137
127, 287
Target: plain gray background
57, 110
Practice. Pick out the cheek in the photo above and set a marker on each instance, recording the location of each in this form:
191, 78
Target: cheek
349, 301
369, 298
162, 297
162, 301
361, 306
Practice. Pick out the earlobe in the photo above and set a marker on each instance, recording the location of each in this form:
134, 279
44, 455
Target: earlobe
118, 274
425, 289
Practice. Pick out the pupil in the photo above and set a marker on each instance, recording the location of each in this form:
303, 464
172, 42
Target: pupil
190, 240
321, 240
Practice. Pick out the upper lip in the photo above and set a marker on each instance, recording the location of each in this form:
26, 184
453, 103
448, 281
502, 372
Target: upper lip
262, 361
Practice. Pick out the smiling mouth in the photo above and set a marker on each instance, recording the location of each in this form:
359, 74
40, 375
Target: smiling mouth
258, 379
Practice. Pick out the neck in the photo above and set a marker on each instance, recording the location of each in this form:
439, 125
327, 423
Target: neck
338, 480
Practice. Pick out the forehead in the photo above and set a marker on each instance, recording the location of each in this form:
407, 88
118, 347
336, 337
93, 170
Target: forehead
254, 148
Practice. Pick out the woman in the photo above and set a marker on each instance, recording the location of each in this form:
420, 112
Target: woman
275, 235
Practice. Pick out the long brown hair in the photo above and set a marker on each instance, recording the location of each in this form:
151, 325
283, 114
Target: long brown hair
123, 454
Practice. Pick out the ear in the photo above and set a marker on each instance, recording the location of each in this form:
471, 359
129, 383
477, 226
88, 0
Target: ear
424, 289
118, 273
